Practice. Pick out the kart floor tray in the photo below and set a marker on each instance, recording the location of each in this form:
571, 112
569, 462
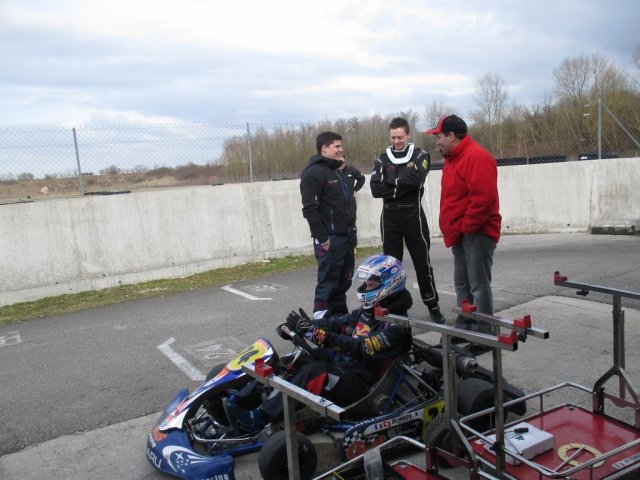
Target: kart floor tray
574, 428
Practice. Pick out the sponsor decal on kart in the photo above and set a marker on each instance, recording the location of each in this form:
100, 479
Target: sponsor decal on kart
371, 434
153, 458
390, 422
180, 458
256, 350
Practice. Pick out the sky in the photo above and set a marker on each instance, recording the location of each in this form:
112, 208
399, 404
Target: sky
98, 62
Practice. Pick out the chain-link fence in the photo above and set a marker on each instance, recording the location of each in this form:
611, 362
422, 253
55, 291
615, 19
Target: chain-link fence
48, 161
51, 162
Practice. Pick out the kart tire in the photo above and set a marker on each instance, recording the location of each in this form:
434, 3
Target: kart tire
475, 395
272, 460
444, 442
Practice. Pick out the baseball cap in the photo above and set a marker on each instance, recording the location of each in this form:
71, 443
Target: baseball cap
449, 123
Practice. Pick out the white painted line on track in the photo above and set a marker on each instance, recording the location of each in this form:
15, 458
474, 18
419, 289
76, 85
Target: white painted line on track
182, 363
229, 288
10, 338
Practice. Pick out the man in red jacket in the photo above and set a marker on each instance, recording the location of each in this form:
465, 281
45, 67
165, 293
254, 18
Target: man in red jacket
469, 215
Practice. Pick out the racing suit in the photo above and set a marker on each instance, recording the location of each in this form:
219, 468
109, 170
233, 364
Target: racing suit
398, 178
359, 347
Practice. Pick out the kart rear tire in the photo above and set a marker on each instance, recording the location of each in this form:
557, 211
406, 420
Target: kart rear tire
272, 460
475, 395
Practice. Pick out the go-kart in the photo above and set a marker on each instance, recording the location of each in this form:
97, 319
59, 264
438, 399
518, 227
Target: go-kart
199, 433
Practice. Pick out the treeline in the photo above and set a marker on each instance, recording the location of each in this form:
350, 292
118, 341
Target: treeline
589, 90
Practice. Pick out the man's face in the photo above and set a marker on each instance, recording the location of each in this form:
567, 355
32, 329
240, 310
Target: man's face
333, 151
445, 143
399, 138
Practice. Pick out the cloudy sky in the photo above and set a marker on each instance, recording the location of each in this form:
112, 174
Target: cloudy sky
98, 62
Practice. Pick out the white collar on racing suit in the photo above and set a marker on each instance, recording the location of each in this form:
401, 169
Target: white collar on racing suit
399, 161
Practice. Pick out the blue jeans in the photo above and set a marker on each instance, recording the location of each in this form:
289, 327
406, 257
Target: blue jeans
473, 259
335, 271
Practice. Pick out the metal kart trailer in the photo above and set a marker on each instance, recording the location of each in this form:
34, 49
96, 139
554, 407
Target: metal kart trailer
589, 443
576, 443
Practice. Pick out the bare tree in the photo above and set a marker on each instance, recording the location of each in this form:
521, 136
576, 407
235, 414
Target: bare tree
572, 77
435, 111
491, 98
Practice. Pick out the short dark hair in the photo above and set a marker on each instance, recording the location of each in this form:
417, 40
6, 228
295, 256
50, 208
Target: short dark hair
399, 122
325, 139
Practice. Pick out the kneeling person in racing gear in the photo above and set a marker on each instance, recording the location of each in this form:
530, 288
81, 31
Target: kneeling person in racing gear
360, 347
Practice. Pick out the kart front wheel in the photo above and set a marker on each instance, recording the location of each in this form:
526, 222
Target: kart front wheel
272, 460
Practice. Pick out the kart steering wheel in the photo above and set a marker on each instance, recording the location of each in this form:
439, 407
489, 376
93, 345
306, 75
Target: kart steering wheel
298, 340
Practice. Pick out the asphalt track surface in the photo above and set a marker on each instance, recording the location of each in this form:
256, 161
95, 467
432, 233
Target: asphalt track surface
119, 364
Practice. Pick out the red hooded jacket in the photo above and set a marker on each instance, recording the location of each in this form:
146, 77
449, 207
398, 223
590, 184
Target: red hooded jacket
469, 200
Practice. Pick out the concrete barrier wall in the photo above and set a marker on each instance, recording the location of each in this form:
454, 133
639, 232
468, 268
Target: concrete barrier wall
70, 245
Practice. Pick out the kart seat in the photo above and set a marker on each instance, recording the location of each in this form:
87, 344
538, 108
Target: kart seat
375, 400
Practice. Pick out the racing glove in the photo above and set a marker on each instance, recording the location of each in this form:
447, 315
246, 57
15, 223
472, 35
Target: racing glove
299, 324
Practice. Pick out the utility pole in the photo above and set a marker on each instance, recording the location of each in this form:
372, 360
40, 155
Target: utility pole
250, 156
599, 128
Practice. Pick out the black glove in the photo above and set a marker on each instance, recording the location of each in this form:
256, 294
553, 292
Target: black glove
298, 323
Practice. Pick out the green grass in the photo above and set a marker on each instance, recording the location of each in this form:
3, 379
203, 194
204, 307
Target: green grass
125, 293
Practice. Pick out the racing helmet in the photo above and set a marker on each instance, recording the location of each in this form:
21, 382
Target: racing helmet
382, 275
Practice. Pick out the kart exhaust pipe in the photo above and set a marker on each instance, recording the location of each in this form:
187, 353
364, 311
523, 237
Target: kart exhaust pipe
465, 364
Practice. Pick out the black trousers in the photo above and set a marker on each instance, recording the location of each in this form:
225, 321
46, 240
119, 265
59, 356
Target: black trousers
408, 226
335, 273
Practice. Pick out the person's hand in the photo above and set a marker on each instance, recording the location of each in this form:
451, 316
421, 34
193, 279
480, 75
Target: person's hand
299, 324
326, 245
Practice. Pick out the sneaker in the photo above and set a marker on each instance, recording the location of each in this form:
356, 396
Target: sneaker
436, 315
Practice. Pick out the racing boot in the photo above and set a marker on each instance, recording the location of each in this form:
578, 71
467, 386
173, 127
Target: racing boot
436, 315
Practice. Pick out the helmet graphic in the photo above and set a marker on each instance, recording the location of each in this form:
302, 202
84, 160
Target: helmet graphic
381, 275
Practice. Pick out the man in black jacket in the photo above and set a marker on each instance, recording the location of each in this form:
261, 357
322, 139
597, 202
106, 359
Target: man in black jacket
329, 207
398, 178
354, 180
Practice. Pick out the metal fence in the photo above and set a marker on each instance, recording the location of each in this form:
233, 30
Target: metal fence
38, 163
